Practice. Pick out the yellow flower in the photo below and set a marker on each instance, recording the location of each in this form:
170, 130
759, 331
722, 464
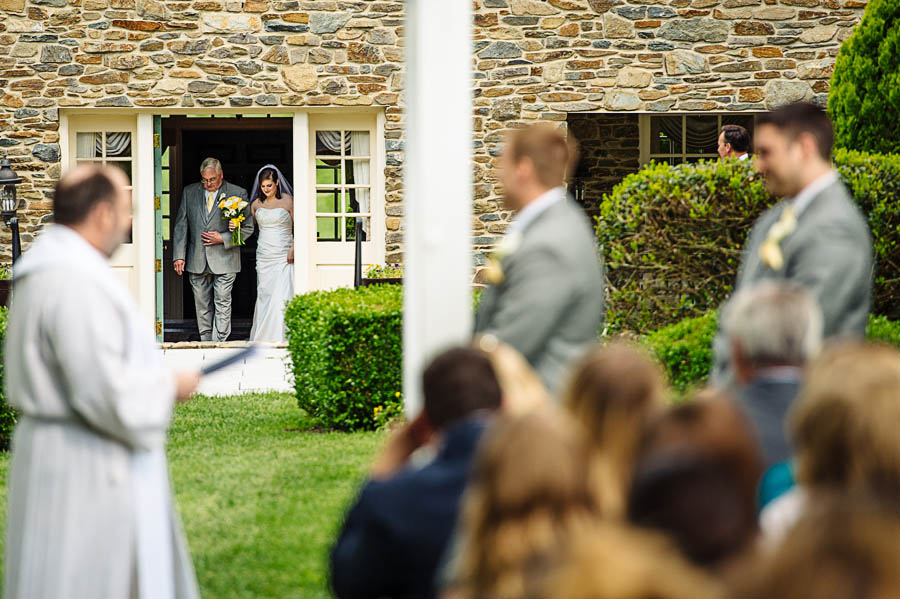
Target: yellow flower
397, 394
770, 251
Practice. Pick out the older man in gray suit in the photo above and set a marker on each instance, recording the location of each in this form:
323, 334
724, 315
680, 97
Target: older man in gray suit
208, 256
546, 297
816, 237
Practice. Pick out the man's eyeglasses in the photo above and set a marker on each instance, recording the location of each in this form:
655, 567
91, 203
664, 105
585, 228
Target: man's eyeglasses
211, 180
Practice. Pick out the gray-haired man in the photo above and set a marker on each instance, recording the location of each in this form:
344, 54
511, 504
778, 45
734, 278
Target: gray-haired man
773, 329
208, 256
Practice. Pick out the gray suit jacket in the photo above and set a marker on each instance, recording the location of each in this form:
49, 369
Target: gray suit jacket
829, 253
550, 304
192, 215
766, 402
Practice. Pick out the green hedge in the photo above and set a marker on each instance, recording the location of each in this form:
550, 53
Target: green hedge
864, 100
672, 235
7, 414
346, 350
685, 348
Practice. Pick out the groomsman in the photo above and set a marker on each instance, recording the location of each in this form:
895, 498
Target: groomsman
734, 142
208, 256
816, 236
546, 293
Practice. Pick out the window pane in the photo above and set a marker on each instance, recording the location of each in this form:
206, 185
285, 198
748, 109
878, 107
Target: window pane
165, 158
357, 172
328, 200
328, 172
328, 143
165, 228
358, 200
328, 228
90, 145
125, 165
118, 145
702, 134
358, 143
351, 228
665, 134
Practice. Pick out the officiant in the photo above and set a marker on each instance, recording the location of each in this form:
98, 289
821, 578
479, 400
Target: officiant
90, 505
202, 246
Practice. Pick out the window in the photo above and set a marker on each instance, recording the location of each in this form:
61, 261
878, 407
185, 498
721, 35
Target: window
112, 148
343, 185
686, 137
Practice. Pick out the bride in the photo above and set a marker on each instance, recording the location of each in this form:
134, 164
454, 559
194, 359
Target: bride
273, 212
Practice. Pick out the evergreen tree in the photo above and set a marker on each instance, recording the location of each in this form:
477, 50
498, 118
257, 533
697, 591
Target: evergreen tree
864, 102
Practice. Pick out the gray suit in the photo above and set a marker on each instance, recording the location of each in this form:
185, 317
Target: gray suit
550, 304
211, 269
766, 401
829, 253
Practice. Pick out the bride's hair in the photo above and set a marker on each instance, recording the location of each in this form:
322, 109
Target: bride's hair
268, 174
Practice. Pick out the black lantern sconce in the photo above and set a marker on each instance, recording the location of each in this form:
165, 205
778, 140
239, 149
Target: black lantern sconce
9, 204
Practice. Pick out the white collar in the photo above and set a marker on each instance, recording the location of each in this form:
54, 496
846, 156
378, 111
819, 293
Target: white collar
744, 156
530, 212
801, 201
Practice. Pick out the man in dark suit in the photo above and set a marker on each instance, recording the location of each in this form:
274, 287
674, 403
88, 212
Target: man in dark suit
210, 259
816, 236
546, 293
396, 534
773, 328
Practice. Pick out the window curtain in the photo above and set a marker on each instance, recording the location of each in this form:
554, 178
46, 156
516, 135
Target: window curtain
359, 146
702, 132
117, 144
332, 141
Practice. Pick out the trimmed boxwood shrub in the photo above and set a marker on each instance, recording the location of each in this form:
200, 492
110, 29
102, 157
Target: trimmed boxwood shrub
673, 235
7, 414
864, 100
685, 348
346, 352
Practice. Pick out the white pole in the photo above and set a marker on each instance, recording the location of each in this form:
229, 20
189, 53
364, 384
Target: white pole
437, 186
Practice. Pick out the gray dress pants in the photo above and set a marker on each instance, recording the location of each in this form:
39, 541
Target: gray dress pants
212, 298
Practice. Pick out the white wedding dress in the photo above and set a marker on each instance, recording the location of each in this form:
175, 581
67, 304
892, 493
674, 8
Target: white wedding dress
274, 276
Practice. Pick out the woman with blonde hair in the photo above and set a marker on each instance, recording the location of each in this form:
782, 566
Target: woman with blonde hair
615, 391
520, 385
527, 495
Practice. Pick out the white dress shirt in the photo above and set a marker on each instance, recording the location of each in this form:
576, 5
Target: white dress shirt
801, 201
530, 212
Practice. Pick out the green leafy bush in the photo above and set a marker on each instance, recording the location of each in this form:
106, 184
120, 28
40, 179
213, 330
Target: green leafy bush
346, 353
673, 235
864, 101
7, 414
387, 271
685, 348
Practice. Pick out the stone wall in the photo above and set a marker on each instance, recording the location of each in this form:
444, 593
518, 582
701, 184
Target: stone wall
610, 151
534, 60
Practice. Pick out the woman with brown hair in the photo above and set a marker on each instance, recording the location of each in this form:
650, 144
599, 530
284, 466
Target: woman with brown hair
528, 493
613, 394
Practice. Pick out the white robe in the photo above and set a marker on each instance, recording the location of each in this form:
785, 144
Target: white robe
90, 511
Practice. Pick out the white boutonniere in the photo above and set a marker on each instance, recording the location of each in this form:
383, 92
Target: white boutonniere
770, 251
508, 245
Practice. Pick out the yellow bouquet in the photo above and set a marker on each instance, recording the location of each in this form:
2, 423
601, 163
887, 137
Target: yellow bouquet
233, 210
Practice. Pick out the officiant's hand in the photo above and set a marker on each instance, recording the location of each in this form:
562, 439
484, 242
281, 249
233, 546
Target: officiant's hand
185, 385
179, 267
211, 237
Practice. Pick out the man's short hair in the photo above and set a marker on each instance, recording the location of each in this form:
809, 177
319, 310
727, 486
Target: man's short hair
211, 163
74, 199
458, 383
737, 137
802, 117
774, 323
552, 153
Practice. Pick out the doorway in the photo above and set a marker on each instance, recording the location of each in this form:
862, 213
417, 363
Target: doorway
242, 144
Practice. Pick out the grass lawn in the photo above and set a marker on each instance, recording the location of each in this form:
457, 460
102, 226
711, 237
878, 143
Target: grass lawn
261, 499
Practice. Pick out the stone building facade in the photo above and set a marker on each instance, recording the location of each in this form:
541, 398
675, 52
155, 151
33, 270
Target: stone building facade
603, 67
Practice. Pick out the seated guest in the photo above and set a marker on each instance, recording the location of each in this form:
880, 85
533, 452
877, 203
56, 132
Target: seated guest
520, 386
843, 548
397, 531
614, 393
528, 494
696, 481
613, 561
773, 329
844, 429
